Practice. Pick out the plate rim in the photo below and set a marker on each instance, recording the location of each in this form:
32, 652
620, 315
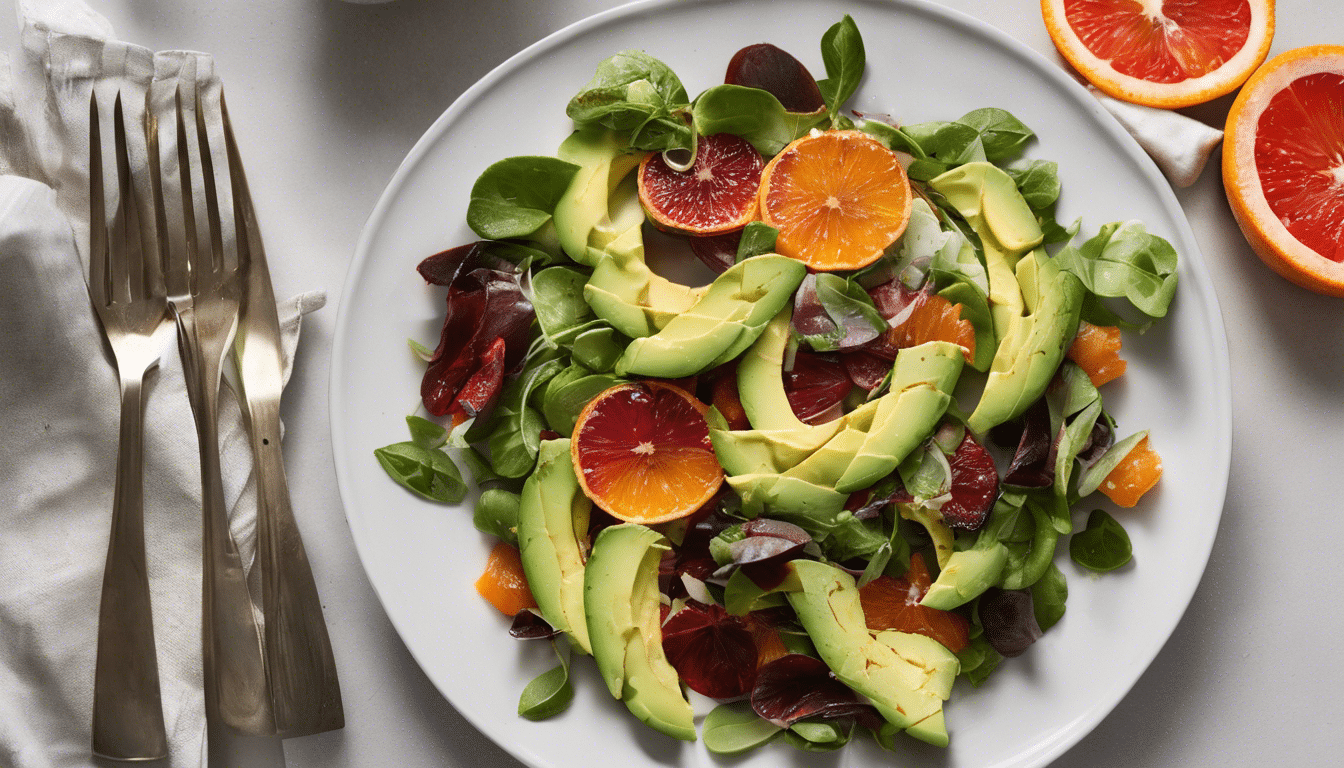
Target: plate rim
1196, 268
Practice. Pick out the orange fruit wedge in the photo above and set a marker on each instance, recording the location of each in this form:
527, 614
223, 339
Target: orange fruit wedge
1134, 476
642, 453
1283, 165
1096, 349
890, 603
1162, 53
837, 198
935, 319
715, 195
503, 583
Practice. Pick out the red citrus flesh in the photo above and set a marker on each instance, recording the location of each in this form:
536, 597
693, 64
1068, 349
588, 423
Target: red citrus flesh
716, 195
1183, 40
890, 603
642, 453
1299, 156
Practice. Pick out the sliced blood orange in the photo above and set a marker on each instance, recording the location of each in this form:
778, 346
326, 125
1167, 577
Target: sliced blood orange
1162, 53
642, 453
837, 198
1283, 165
503, 582
1096, 349
934, 318
1134, 476
890, 603
716, 195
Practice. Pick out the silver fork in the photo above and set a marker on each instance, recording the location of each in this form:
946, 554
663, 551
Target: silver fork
127, 289
205, 288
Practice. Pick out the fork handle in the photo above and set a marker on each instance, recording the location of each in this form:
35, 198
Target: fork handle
236, 691
305, 691
127, 707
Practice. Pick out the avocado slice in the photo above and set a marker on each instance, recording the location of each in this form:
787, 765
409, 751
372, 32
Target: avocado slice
552, 520
907, 677
726, 320
760, 379
604, 159
988, 198
1031, 352
621, 602
750, 451
626, 293
921, 389
965, 576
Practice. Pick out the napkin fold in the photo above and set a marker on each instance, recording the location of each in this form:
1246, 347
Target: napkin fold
60, 409
1180, 145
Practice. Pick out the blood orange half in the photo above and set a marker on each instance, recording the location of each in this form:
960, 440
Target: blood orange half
1283, 165
716, 195
642, 452
1162, 53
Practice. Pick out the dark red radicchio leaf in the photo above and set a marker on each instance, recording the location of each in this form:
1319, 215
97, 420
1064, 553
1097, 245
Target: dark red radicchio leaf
718, 252
868, 504
485, 303
816, 385
1033, 465
529, 625
766, 550
1098, 443
811, 318
1009, 619
711, 649
975, 486
775, 70
795, 686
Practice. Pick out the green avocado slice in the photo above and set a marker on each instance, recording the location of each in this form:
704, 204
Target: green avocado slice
1031, 352
906, 676
726, 320
988, 198
622, 605
552, 519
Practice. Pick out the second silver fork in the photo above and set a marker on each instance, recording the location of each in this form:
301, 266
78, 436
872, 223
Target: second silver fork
205, 288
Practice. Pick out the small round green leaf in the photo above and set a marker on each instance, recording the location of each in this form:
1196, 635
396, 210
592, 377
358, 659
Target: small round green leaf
1103, 546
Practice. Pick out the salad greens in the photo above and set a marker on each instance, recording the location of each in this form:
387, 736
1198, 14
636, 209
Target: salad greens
968, 523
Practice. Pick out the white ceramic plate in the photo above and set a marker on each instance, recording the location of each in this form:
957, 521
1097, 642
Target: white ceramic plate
924, 63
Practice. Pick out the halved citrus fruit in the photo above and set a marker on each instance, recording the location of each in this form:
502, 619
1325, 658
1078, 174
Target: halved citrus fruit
837, 198
934, 318
1096, 349
1283, 165
716, 195
642, 453
1162, 53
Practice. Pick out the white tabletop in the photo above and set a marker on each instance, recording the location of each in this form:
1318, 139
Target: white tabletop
328, 97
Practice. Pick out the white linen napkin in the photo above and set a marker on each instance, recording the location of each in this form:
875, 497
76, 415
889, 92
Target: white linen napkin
59, 411
1180, 145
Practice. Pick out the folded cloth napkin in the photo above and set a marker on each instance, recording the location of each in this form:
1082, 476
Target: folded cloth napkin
59, 411
1180, 145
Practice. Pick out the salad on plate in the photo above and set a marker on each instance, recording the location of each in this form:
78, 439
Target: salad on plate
818, 490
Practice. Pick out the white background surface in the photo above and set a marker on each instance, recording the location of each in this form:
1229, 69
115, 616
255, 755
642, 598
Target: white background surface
327, 97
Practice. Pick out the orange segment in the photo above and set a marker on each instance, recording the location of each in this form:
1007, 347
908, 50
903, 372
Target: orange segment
838, 199
1134, 476
642, 453
894, 604
1096, 349
1283, 166
935, 319
503, 582
769, 645
1162, 53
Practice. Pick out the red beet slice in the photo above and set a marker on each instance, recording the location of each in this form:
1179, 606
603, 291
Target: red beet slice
975, 485
772, 69
712, 650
